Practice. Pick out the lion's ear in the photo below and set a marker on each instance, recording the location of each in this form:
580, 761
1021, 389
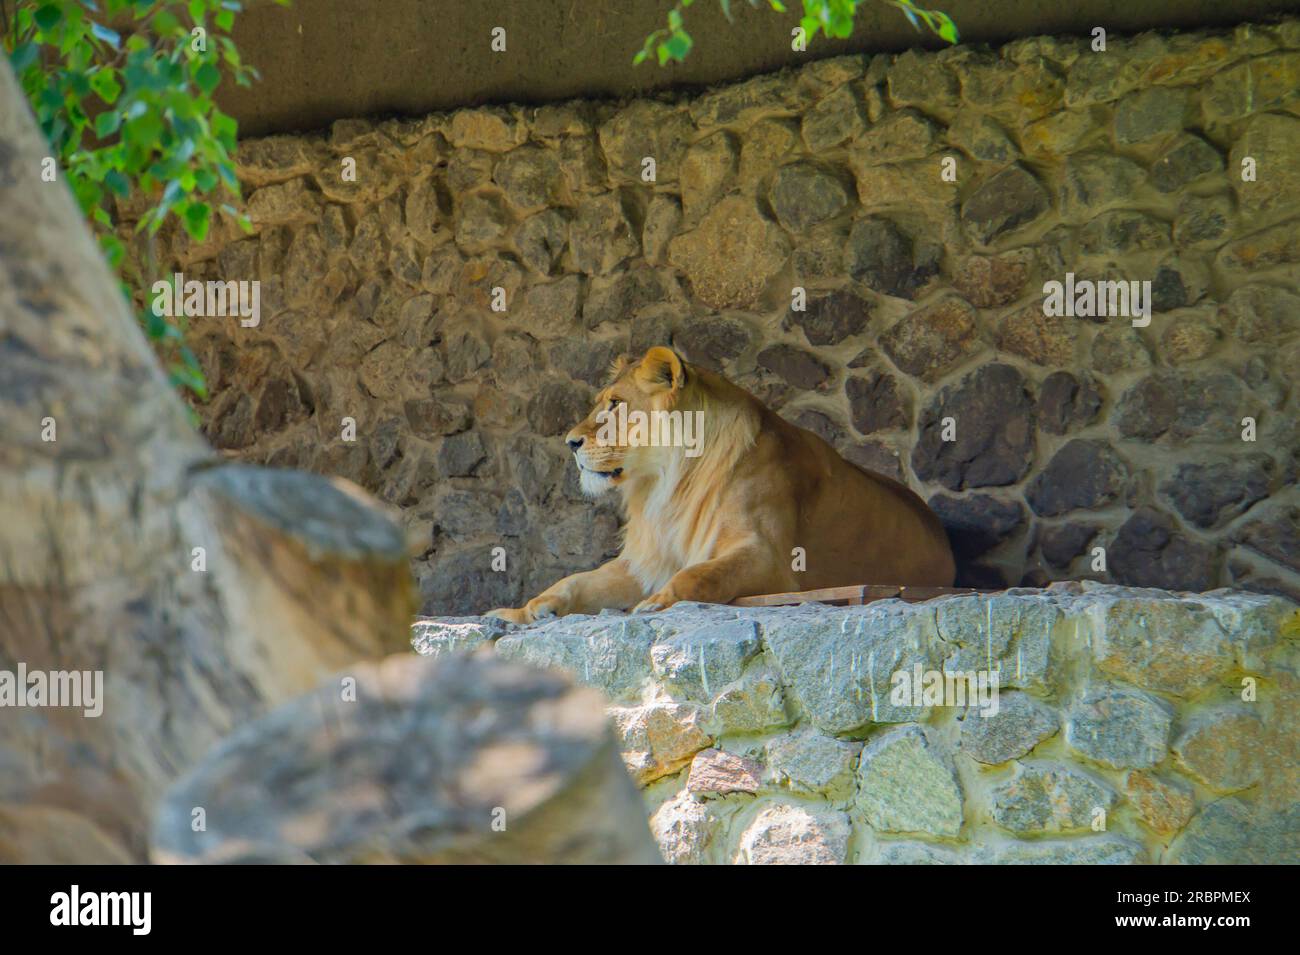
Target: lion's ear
662, 369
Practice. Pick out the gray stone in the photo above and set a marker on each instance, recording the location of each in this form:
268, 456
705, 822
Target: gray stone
838, 663
658, 738
1260, 314
785, 834
906, 852
982, 138
810, 763
800, 368
1020, 724
905, 134
1149, 551
1272, 141
1096, 182
994, 423
1122, 231
1150, 114
1049, 798
435, 636
1123, 729
1210, 492
1255, 86
1009, 200
708, 170
541, 240
1013, 635
881, 256
836, 118
732, 255
713, 340
1222, 748
1180, 406
1099, 850
1085, 473
611, 653
601, 236
530, 177
460, 455
645, 129
624, 294
989, 281
933, 338
916, 79
1233, 832
1158, 642
829, 319
803, 195
753, 704
557, 406
716, 773
1066, 402
686, 829
1186, 161
1119, 348
1203, 221
906, 785
877, 402
699, 661
1274, 534
482, 220
1060, 545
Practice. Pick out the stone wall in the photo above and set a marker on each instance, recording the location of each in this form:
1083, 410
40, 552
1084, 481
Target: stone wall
463, 296
1132, 725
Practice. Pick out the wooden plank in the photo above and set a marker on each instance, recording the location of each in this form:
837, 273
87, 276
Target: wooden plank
852, 596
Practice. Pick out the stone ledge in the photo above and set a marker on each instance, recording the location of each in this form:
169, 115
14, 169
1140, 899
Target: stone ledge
1123, 718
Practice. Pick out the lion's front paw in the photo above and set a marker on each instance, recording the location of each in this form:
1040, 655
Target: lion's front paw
539, 608
510, 614
660, 601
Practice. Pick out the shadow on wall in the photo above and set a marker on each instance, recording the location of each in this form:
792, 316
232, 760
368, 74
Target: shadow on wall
863, 243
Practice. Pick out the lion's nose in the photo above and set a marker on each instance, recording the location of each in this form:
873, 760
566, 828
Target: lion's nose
573, 443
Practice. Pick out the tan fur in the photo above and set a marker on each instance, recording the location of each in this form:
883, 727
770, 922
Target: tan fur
725, 524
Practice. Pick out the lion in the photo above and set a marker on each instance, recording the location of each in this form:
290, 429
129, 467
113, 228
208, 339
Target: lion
751, 505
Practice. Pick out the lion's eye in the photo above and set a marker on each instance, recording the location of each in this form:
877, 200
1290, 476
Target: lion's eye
614, 403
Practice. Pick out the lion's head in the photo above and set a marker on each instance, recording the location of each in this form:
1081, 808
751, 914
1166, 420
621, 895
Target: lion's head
612, 444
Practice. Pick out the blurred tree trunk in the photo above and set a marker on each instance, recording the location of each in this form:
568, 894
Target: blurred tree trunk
105, 492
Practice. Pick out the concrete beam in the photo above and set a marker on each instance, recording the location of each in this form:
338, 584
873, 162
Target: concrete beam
322, 60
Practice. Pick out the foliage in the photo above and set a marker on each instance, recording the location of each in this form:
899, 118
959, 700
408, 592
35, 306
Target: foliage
834, 18
132, 112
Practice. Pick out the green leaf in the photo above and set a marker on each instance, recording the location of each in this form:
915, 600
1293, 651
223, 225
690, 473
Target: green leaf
23, 56
48, 17
678, 46
106, 86
117, 183
198, 215
207, 77
107, 123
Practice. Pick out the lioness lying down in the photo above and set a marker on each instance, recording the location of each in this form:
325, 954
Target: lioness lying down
722, 517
